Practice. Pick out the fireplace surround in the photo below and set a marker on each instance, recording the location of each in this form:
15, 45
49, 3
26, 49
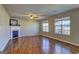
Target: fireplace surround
15, 31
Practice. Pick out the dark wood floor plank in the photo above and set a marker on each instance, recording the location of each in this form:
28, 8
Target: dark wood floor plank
39, 45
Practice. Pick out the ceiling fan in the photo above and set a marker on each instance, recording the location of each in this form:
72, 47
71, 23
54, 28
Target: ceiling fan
33, 15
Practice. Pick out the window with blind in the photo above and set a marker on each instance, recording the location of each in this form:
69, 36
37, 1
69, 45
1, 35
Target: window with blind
45, 26
62, 26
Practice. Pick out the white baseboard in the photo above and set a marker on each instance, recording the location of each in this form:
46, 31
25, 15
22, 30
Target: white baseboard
29, 35
62, 40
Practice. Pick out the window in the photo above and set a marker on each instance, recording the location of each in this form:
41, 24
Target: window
45, 26
62, 26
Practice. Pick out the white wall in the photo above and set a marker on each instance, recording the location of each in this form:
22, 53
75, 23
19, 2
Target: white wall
4, 28
29, 27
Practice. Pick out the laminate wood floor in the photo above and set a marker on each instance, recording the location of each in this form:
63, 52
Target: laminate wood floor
39, 45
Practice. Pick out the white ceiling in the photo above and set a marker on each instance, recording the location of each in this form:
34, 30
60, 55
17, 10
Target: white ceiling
15, 10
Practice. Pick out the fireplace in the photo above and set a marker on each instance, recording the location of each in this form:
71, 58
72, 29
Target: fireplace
15, 34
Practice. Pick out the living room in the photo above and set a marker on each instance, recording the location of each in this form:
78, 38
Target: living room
39, 29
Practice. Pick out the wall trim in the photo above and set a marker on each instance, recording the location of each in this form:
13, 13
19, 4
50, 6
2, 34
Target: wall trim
4, 50
75, 44
8, 44
29, 35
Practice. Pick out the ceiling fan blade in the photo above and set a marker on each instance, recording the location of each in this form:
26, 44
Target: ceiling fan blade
26, 13
23, 15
